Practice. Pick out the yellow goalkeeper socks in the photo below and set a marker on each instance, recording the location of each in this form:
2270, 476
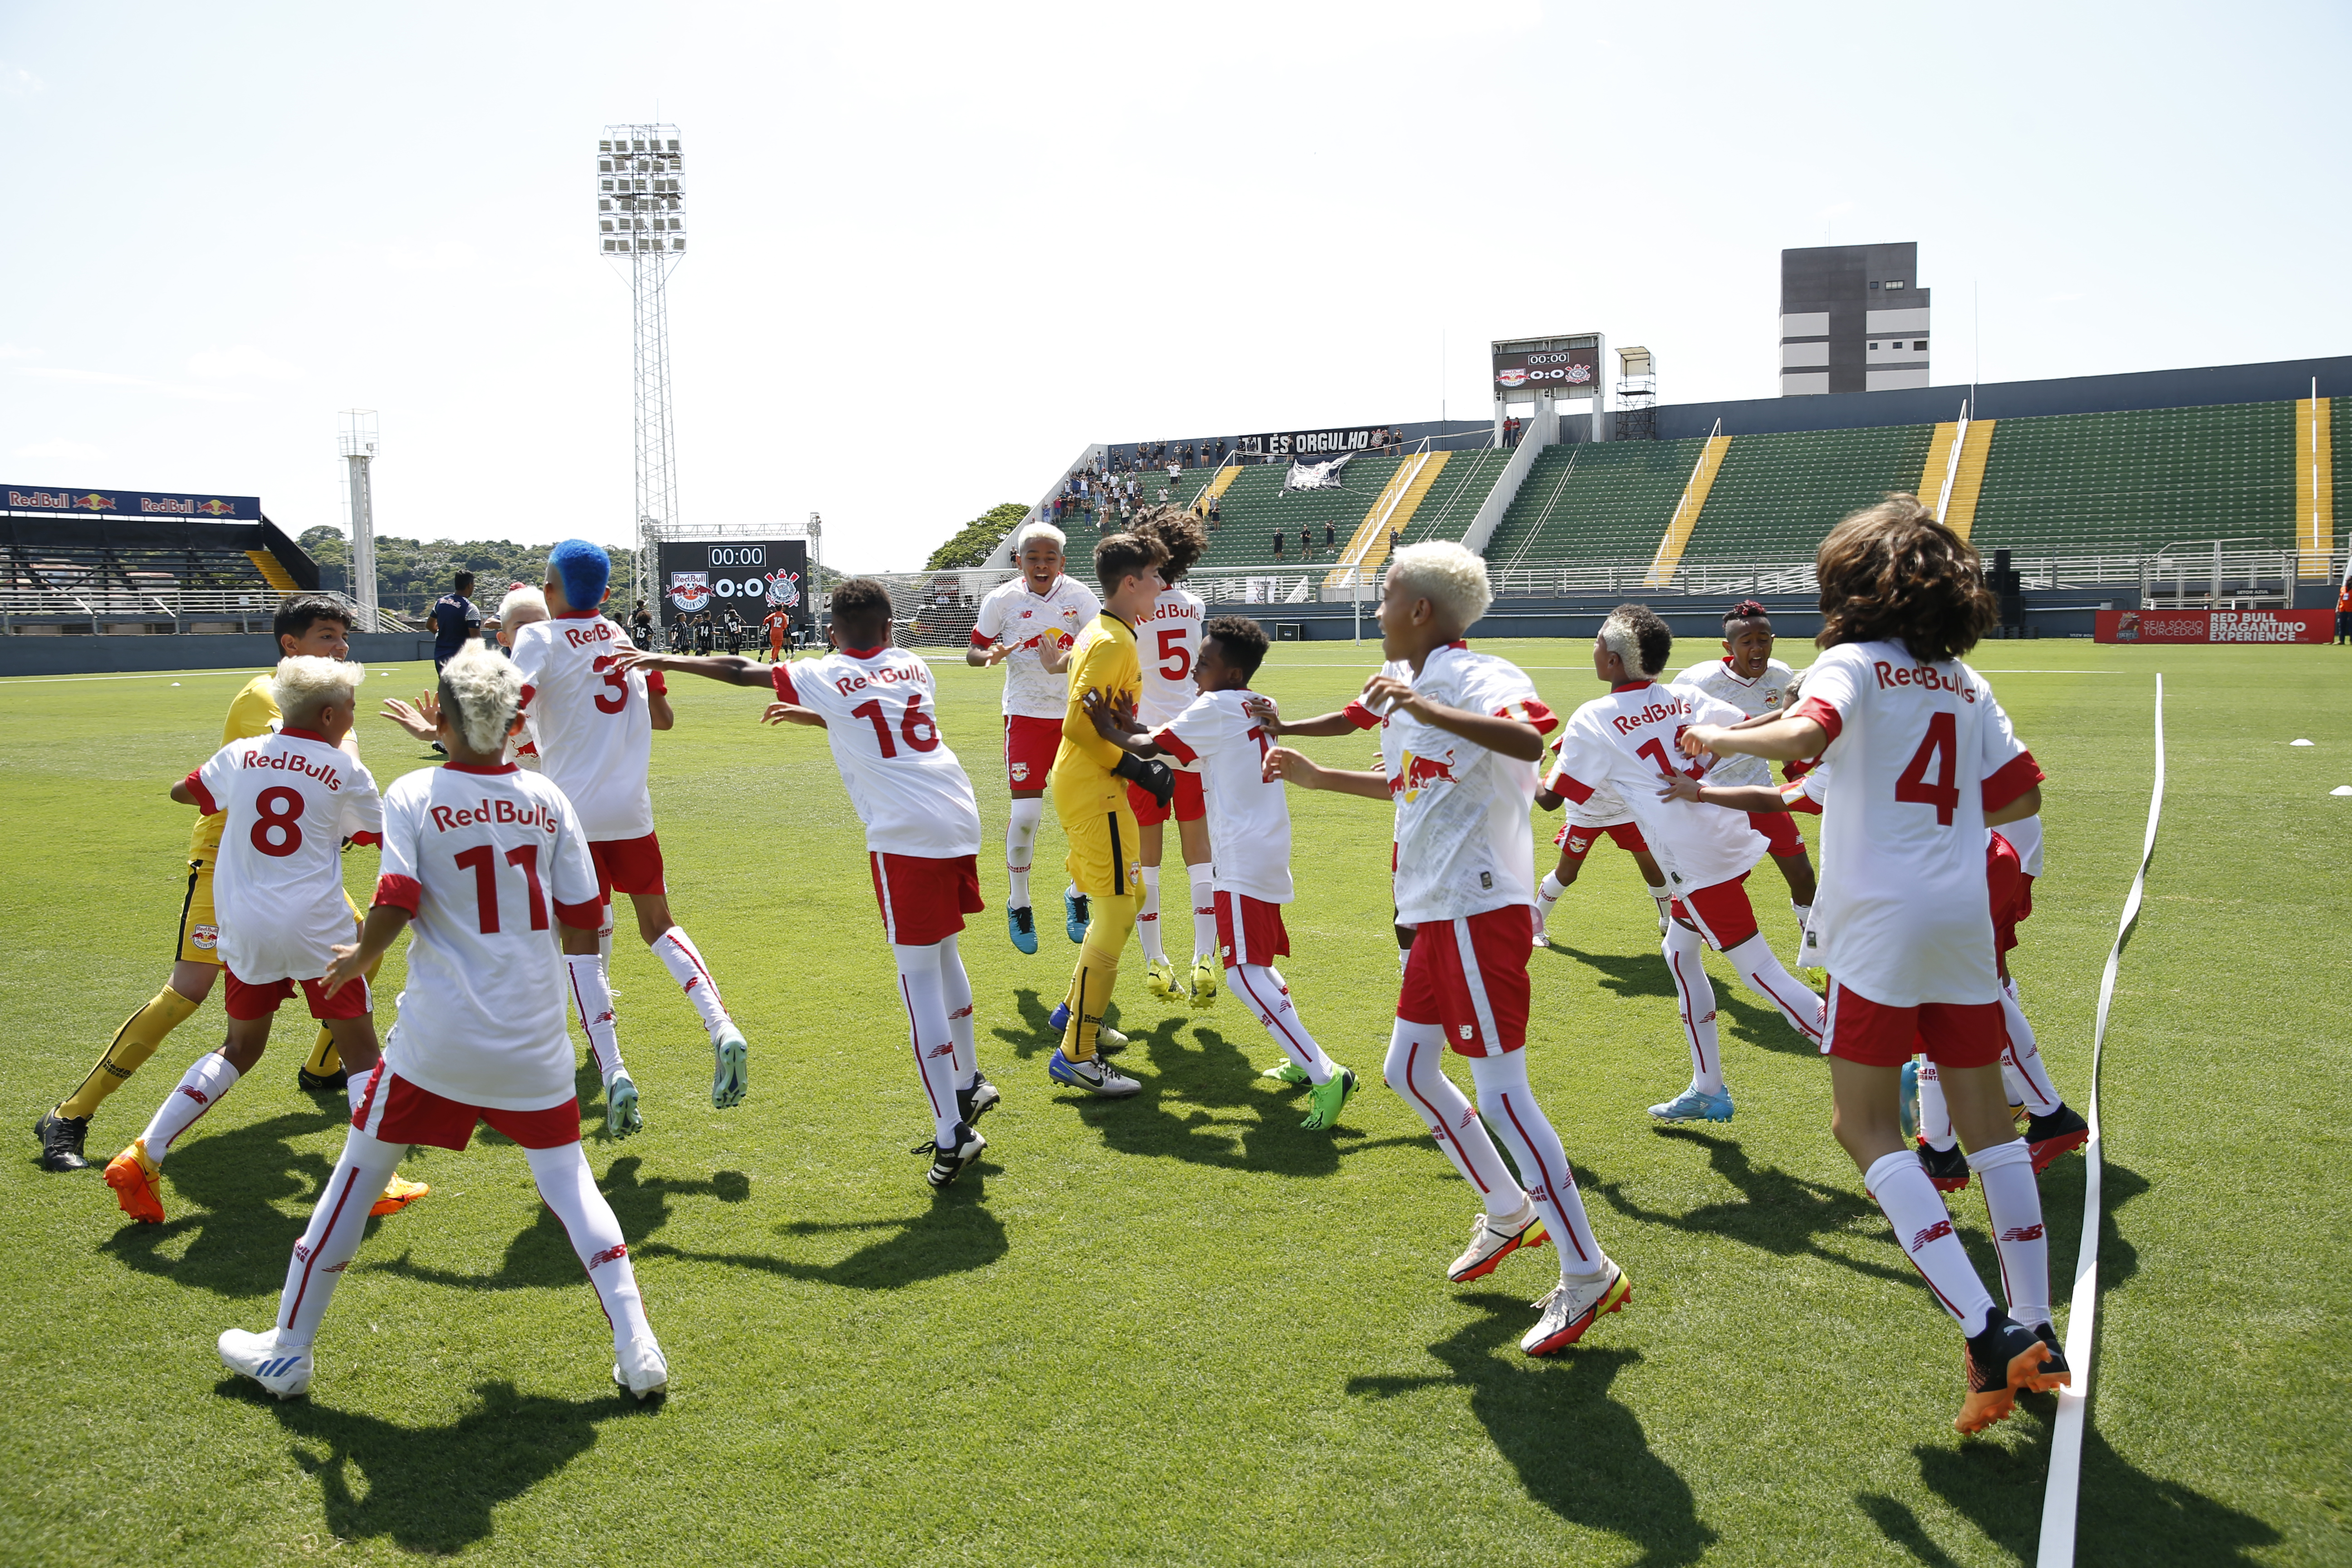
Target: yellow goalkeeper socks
132, 1045
325, 1059
1113, 922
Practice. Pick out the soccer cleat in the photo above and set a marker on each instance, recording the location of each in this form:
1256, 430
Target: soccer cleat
284, 1373
61, 1140
132, 1175
1076, 913
2052, 1135
1695, 1104
1906, 1101
1094, 1075
1492, 1240
2008, 1356
977, 1101
398, 1194
1329, 1100
732, 1073
641, 1369
1946, 1168
1021, 925
1573, 1306
948, 1161
1060, 1020
1109, 1042
1288, 1072
1204, 981
1159, 979
335, 1083
621, 1115
1542, 937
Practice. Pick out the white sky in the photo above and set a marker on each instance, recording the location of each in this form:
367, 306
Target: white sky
935, 250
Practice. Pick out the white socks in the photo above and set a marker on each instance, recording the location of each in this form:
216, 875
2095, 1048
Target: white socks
1020, 846
1201, 878
2013, 1208
1269, 998
955, 990
569, 1188
1695, 1000
1763, 974
1415, 1069
921, 988
1548, 893
2022, 1072
1147, 919
1665, 898
1934, 1116
592, 999
679, 956
1509, 1105
1922, 1230
199, 1089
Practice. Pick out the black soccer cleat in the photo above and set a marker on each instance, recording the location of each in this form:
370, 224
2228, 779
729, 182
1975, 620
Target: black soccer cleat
2006, 1358
335, 1083
977, 1101
2052, 1135
948, 1163
1946, 1168
61, 1138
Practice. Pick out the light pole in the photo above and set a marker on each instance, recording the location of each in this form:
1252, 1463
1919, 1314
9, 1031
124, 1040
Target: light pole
359, 446
641, 218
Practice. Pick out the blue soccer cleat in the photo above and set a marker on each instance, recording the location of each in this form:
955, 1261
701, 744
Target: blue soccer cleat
1060, 1020
1021, 925
1906, 1104
1695, 1104
1076, 914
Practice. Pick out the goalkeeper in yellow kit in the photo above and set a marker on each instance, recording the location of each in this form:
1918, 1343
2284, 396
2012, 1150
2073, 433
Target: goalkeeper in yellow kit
1089, 781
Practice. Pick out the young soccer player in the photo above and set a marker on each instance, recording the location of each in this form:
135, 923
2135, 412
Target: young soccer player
1925, 760
779, 622
593, 721
1090, 778
1171, 640
1028, 626
480, 860
878, 706
1586, 821
1749, 679
1219, 735
288, 801
1461, 733
1625, 740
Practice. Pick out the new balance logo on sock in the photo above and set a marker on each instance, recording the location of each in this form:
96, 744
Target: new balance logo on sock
961, 1013
1942, 1228
618, 1249
196, 1095
2021, 1233
693, 983
947, 1050
1469, 1114
1151, 918
302, 1253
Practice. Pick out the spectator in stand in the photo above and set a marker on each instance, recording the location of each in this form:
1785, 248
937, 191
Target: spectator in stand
1278, 544
1511, 431
1216, 512
1330, 534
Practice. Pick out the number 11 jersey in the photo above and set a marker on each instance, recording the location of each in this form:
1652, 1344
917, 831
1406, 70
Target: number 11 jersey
880, 717
590, 722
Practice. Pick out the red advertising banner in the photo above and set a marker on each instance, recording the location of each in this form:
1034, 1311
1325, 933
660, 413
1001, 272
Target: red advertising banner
2213, 626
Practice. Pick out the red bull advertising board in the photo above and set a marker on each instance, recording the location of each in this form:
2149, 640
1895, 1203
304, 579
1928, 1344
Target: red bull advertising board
2213, 627
65, 500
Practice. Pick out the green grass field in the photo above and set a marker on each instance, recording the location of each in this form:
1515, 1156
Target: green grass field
1179, 1329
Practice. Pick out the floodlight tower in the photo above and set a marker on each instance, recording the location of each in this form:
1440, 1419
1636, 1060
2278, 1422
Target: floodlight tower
641, 218
359, 444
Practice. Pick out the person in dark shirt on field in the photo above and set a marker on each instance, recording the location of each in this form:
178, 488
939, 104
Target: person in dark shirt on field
454, 619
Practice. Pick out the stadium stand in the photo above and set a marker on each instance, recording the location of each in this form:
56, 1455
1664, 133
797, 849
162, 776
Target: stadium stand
1607, 501
2339, 436
1967, 480
1687, 509
2313, 457
1453, 501
1777, 495
1254, 506
110, 574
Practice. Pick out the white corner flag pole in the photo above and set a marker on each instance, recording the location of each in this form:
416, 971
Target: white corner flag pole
2062, 1492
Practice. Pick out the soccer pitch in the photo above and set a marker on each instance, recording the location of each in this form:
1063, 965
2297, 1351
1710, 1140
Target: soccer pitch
1179, 1329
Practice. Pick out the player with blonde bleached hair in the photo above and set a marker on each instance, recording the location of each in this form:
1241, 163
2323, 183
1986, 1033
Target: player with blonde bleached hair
480, 859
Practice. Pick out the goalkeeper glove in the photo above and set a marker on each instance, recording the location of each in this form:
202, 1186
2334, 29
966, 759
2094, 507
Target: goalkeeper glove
1154, 776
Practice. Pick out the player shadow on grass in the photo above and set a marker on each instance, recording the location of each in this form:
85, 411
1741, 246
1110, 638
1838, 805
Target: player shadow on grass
542, 1256
435, 1489
1578, 1451
953, 1235
1645, 975
233, 1182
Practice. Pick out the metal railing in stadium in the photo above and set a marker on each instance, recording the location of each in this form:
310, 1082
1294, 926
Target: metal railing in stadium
98, 605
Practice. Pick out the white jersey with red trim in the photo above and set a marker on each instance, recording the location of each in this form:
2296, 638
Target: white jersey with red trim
1168, 644
1921, 751
1630, 743
2024, 836
1601, 808
488, 861
291, 797
1768, 693
1464, 841
1249, 820
590, 722
881, 718
1011, 614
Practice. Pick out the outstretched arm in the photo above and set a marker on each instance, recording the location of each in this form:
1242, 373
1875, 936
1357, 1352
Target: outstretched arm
384, 923
1763, 798
727, 669
1786, 738
1297, 768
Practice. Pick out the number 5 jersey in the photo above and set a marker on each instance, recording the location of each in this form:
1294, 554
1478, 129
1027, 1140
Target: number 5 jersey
290, 799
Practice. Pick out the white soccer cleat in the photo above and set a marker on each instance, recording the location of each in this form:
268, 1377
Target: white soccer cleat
1094, 1075
1575, 1305
1542, 937
1492, 1240
284, 1373
641, 1369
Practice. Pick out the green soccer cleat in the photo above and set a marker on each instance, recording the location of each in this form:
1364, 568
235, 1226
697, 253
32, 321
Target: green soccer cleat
1329, 1100
1288, 1072
620, 1116
730, 1075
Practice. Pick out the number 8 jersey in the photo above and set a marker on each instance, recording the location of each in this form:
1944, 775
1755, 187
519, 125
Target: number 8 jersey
1922, 753
291, 799
589, 722
879, 716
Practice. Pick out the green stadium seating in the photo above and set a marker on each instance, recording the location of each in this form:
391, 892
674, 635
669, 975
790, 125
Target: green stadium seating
2141, 480
1776, 496
1452, 502
1255, 506
1595, 501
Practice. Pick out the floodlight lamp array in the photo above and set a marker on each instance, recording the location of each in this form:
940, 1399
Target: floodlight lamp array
640, 196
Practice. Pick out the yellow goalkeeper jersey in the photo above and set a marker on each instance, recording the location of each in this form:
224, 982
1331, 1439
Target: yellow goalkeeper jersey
251, 712
1103, 661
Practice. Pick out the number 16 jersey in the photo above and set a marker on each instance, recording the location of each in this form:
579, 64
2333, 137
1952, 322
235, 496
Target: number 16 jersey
880, 718
589, 722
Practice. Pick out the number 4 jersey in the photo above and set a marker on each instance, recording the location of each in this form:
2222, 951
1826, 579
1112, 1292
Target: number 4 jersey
290, 800
879, 716
589, 722
488, 861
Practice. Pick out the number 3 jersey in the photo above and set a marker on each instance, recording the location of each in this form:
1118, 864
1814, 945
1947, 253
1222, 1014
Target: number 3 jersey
1630, 743
488, 861
1922, 752
290, 800
880, 718
590, 722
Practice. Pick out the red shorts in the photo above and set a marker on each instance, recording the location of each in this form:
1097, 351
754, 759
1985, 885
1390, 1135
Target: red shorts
924, 899
1249, 931
627, 865
1953, 1034
1190, 804
248, 1002
1780, 831
1577, 842
1470, 978
397, 1112
1029, 748
1722, 913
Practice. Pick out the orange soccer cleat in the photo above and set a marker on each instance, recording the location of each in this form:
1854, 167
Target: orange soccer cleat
2006, 1357
398, 1194
133, 1176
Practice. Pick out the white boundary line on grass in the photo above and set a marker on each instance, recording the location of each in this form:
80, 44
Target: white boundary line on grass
2062, 1493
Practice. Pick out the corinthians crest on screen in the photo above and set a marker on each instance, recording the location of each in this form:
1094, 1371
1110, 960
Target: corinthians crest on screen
784, 589
689, 591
